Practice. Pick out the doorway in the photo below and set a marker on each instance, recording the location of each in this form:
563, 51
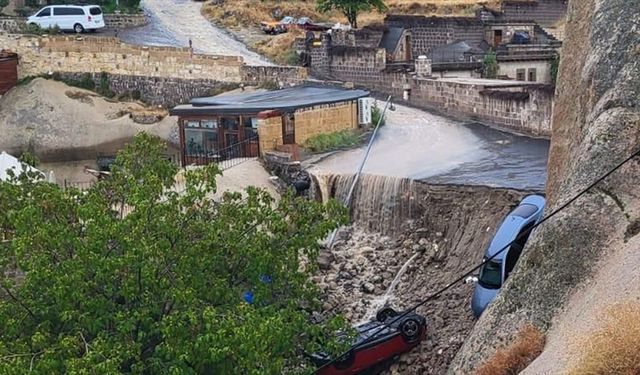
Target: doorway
288, 129
497, 38
407, 48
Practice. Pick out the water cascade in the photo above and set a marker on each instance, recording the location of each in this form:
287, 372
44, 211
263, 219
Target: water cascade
381, 301
379, 203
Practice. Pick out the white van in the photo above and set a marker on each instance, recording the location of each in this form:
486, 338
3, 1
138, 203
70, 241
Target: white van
69, 17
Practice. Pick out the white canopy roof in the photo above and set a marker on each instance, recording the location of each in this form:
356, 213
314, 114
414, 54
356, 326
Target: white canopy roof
8, 162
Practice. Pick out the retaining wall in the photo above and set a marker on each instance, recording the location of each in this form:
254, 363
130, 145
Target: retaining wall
125, 21
162, 75
112, 21
10, 24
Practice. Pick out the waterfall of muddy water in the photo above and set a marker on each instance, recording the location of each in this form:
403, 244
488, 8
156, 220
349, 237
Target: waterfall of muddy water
379, 203
383, 300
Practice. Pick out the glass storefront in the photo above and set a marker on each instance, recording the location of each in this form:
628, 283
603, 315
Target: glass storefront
220, 138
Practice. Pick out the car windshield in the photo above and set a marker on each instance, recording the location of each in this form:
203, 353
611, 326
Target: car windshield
525, 210
491, 275
95, 11
287, 20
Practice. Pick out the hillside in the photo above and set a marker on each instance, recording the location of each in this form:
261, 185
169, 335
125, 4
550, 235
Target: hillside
59, 122
584, 263
243, 17
247, 13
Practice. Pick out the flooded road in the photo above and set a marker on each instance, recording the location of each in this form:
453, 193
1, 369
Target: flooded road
424, 146
509, 161
175, 22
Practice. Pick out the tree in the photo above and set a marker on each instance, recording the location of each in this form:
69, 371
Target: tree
490, 65
351, 8
132, 277
3, 3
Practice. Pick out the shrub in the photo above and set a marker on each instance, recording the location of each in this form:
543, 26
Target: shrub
104, 89
376, 115
291, 57
614, 348
55, 30
555, 66
515, 357
24, 11
332, 141
490, 65
269, 85
31, 29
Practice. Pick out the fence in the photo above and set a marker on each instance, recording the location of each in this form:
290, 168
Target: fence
226, 158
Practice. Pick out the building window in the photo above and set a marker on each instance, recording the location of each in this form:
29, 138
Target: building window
533, 75
230, 123
201, 138
250, 127
520, 74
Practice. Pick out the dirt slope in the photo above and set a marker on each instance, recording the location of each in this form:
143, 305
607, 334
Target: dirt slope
596, 124
60, 123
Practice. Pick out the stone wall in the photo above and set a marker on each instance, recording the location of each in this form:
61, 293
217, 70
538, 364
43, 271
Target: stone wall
357, 62
524, 109
429, 32
545, 12
519, 107
328, 118
40, 55
10, 24
162, 75
284, 75
112, 21
167, 92
269, 131
125, 21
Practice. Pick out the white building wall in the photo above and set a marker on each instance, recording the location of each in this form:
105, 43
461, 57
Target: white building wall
510, 69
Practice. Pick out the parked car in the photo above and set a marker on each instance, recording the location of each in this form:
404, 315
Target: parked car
305, 23
277, 27
495, 271
69, 17
371, 347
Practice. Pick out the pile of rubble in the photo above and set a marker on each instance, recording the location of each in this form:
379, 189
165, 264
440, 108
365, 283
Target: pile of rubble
357, 273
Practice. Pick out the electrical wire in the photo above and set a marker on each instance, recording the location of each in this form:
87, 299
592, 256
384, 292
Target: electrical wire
475, 268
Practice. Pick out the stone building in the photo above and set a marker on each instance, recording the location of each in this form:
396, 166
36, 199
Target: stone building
248, 125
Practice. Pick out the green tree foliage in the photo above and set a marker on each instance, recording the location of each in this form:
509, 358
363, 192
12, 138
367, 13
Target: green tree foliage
131, 277
490, 65
3, 3
351, 8
377, 116
555, 65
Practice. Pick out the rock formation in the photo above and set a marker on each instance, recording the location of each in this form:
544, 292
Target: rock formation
596, 124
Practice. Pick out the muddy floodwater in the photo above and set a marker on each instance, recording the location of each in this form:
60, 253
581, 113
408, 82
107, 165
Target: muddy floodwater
424, 146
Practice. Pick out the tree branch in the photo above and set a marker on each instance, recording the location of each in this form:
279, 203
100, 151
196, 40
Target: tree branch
16, 300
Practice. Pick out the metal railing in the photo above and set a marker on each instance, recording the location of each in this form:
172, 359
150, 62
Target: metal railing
227, 157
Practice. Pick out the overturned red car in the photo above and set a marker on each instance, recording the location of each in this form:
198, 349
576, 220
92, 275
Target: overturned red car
374, 346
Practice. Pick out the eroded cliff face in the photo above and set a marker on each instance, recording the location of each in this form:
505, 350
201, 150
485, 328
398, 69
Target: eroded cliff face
596, 124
